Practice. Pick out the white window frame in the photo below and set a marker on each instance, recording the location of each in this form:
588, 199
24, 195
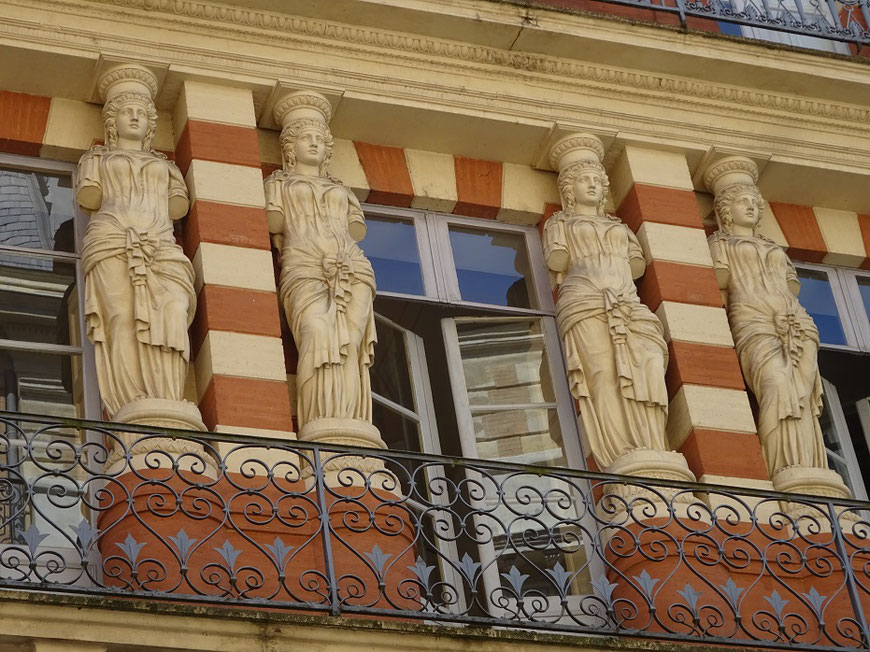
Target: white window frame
438, 268
841, 431
857, 337
91, 406
441, 285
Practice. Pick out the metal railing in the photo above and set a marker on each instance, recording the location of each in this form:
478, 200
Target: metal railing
103, 509
837, 20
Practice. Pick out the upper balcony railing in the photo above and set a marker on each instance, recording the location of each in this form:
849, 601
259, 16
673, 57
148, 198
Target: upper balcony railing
834, 20
103, 509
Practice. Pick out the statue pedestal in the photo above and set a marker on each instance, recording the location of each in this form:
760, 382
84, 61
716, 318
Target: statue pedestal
345, 470
132, 451
814, 482
629, 503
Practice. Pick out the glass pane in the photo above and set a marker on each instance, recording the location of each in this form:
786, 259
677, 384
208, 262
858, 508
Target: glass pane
390, 373
504, 362
38, 301
391, 246
492, 267
41, 383
864, 289
534, 554
531, 436
818, 298
36, 210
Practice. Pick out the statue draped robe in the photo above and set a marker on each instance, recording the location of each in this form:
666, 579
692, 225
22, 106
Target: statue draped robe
614, 345
139, 294
777, 344
327, 287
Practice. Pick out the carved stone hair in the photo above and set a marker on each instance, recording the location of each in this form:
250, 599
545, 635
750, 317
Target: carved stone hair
288, 142
725, 199
110, 116
566, 184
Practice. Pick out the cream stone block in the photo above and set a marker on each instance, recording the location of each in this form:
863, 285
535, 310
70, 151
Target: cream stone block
225, 183
214, 103
653, 166
842, 234
713, 408
686, 322
239, 354
282, 435
769, 227
346, 167
73, 125
67, 646
270, 147
525, 191
433, 177
677, 244
240, 267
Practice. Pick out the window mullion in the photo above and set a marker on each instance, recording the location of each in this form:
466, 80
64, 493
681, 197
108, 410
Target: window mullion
449, 289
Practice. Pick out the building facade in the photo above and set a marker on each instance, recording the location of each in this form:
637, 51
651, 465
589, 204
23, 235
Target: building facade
503, 324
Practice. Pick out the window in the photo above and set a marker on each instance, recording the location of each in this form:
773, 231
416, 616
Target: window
468, 363
838, 301
43, 359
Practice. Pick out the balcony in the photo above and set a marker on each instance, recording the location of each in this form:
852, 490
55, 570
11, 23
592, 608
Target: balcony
106, 510
815, 24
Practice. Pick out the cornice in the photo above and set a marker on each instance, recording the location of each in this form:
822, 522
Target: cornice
238, 17
446, 57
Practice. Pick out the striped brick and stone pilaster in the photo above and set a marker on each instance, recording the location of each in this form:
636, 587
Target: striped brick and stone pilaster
710, 420
236, 336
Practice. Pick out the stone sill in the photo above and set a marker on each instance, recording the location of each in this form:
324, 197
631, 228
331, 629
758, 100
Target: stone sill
94, 620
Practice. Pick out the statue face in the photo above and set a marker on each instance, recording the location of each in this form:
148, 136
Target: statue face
588, 190
310, 147
746, 210
132, 121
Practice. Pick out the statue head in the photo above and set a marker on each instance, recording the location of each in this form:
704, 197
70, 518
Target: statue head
131, 116
307, 141
740, 204
584, 183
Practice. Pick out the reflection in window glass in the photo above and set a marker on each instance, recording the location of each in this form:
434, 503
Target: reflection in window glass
864, 289
506, 374
818, 299
391, 247
36, 210
41, 383
504, 362
491, 267
38, 301
390, 373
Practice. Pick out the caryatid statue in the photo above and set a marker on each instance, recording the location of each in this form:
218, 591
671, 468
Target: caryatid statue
776, 340
614, 345
139, 293
327, 285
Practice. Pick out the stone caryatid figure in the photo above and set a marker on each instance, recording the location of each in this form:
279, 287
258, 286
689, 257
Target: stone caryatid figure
327, 285
614, 345
139, 293
776, 340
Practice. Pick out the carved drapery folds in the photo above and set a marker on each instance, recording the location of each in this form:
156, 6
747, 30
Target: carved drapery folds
776, 340
139, 293
327, 285
614, 345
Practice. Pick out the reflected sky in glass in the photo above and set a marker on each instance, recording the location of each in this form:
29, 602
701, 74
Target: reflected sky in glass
491, 267
391, 247
818, 299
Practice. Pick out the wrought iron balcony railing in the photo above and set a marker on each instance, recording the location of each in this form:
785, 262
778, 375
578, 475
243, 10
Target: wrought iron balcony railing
834, 20
96, 508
